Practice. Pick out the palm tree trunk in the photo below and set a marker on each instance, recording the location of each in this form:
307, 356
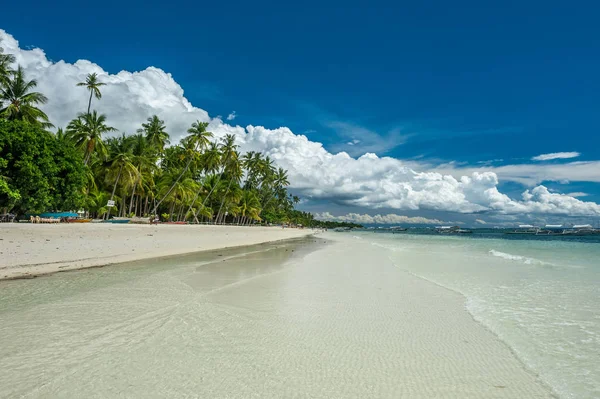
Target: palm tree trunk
132, 195
90, 102
173, 186
224, 197
171, 211
115, 188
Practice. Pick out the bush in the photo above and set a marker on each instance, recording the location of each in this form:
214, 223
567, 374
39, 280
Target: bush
39, 171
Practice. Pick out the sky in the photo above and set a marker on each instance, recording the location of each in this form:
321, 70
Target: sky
481, 113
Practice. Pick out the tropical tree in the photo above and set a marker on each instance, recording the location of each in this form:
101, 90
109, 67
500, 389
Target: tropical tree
228, 149
6, 61
197, 139
155, 132
144, 159
120, 166
249, 207
93, 85
86, 133
19, 101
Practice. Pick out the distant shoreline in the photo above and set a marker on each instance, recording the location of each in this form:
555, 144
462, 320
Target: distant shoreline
31, 250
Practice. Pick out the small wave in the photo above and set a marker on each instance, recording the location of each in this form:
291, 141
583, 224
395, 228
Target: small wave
357, 237
519, 258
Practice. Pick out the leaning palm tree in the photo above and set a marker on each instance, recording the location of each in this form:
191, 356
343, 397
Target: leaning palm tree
144, 159
235, 172
228, 149
120, 159
86, 133
197, 139
93, 85
155, 133
19, 102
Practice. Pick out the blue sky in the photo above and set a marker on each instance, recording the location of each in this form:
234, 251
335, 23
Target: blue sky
466, 83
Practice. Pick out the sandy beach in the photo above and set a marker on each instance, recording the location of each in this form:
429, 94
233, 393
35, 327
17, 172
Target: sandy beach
28, 250
326, 317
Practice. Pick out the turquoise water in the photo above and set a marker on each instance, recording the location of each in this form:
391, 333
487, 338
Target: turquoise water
541, 297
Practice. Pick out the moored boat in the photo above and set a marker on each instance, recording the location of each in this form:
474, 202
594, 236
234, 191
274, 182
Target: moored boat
78, 220
118, 220
524, 229
452, 230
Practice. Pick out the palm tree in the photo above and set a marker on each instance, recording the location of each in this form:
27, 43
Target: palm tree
280, 181
235, 172
228, 148
6, 60
15, 92
144, 160
210, 161
86, 133
120, 161
93, 85
249, 206
197, 139
155, 133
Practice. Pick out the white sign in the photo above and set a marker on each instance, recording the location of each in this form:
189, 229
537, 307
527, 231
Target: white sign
110, 203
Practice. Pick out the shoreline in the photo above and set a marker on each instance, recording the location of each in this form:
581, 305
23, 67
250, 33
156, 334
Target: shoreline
481, 324
544, 389
319, 315
28, 251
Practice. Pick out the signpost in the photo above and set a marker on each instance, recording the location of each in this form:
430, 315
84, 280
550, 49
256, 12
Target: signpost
110, 203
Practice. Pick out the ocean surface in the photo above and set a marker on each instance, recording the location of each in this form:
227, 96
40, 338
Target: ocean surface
540, 295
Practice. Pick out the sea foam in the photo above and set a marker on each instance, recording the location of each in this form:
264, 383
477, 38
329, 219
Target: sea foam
519, 258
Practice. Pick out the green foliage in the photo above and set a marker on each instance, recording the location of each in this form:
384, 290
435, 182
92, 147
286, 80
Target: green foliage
39, 171
197, 180
18, 101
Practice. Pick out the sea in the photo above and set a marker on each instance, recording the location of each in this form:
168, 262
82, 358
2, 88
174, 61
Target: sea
540, 295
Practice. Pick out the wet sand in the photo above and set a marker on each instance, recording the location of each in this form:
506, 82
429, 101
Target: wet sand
304, 319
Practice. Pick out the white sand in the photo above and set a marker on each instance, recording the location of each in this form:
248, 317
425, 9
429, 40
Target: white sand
340, 322
34, 249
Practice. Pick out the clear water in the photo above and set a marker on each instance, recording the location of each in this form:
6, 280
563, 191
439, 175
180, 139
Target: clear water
540, 296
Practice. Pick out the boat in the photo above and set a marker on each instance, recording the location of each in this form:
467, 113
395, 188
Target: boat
118, 220
581, 230
341, 229
551, 230
452, 230
78, 220
398, 229
524, 229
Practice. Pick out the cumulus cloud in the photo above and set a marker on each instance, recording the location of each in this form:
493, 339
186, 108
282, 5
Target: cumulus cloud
532, 174
366, 180
390, 218
231, 116
578, 194
555, 155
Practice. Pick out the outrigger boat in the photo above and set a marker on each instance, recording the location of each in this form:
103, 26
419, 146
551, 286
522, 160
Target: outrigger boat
524, 229
452, 230
118, 220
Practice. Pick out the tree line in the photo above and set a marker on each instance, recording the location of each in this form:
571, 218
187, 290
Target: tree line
88, 164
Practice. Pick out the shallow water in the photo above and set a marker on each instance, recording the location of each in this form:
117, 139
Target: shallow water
294, 319
541, 297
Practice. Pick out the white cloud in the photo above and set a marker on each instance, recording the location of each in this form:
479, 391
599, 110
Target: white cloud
578, 194
532, 174
377, 219
231, 116
480, 221
556, 155
366, 181
370, 140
